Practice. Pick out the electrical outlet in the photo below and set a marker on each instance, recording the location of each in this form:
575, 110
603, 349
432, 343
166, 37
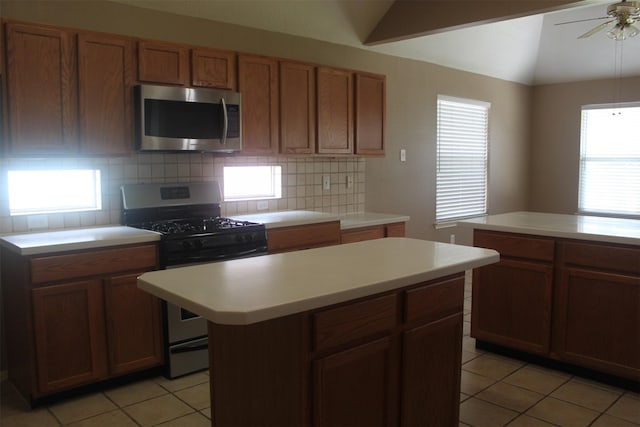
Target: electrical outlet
403, 155
349, 181
37, 221
326, 182
262, 205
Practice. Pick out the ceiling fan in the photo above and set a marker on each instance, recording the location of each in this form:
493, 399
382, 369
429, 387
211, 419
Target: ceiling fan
623, 15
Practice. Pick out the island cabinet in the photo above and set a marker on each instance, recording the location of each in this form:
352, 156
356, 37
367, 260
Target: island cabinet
297, 237
572, 301
385, 360
597, 307
511, 302
78, 318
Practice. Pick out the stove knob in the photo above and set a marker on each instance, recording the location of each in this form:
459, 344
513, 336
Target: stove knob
198, 244
249, 237
239, 238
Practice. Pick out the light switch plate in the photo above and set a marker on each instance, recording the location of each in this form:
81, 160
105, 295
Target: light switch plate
403, 155
326, 182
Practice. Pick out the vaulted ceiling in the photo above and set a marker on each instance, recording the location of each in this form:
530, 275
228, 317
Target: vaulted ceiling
512, 40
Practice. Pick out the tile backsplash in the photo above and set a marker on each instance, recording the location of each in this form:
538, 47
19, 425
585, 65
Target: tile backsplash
301, 184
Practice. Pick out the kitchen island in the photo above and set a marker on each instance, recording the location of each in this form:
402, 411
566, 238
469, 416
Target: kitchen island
566, 291
368, 333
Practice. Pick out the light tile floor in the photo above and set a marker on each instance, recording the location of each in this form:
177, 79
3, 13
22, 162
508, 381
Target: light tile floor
495, 391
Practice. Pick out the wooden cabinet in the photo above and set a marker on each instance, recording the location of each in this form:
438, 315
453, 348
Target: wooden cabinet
357, 386
512, 299
297, 108
258, 84
132, 324
577, 302
68, 327
370, 105
213, 68
373, 232
79, 318
597, 307
298, 237
335, 111
165, 63
41, 90
384, 360
106, 77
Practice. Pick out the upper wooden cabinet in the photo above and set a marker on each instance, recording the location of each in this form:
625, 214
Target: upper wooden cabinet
166, 63
258, 84
105, 75
335, 111
42, 90
213, 68
370, 114
297, 108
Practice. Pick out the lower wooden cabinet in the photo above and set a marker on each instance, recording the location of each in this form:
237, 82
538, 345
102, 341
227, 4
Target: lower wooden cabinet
373, 232
357, 387
68, 327
385, 360
298, 237
79, 318
573, 301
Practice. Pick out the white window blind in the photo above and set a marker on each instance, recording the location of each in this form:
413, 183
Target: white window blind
461, 177
610, 160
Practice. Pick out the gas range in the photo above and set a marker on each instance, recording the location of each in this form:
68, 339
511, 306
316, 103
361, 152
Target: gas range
188, 217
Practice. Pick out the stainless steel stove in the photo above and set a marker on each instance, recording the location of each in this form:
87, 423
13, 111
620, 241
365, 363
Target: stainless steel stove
188, 217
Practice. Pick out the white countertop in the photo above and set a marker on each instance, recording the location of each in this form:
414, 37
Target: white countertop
81, 238
583, 227
250, 290
300, 217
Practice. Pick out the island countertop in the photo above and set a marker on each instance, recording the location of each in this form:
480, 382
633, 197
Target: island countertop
582, 227
250, 290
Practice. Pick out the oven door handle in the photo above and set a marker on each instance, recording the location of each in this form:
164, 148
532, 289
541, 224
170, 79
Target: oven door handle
189, 348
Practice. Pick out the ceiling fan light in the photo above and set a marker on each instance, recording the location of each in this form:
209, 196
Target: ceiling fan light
623, 32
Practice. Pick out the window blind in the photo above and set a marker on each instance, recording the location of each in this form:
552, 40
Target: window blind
461, 178
610, 160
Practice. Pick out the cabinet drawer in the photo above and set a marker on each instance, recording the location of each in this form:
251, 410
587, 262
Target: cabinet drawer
361, 234
303, 236
92, 263
608, 257
515, 245
435, 300
355, 321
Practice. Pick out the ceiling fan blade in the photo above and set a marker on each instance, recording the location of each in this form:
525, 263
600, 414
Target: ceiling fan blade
582, 20
596, 29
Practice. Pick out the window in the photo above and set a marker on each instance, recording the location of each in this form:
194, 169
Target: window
252, 182
461, 176
610, 160
53, 191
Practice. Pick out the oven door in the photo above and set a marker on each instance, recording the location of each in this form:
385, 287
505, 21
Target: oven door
183, 325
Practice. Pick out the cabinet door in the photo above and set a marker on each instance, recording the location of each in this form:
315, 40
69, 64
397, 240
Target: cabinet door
364, 233
68, 322
335, 111
105, 75
357, 387
597, 321
258, 84
134, 326
297, 108
213, 68
512, 305
432, 357
42, 90
163, 63
370, 114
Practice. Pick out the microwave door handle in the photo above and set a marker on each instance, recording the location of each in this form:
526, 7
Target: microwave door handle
225, 126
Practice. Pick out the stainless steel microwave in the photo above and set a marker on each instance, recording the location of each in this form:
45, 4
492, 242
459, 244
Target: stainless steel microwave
172, 118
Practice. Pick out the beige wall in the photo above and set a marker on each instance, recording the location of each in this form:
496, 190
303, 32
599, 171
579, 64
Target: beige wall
412, 87
555, 144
